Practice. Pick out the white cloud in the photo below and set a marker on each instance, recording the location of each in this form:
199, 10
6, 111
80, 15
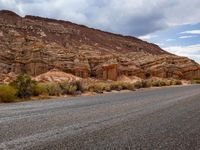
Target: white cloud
130, 17
191, 32
147, 37
191, 51
186, 37
160, 44
170, 40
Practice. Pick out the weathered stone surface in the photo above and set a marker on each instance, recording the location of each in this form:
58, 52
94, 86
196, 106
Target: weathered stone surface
37, 45
55, 75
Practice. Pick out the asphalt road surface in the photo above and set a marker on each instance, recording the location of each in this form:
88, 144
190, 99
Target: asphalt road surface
149, 119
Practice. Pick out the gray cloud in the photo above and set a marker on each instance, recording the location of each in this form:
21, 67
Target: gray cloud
130, 17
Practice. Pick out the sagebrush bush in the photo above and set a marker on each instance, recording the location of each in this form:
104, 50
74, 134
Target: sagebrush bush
69, 88
7, 94
138, 84
98, 87
175, 82
108, 88
24, 86
39, 89
78, 85
127, 86
156, 83
195, 82
116, 86
122, 86
178, 82
163, 83
167, 82
53, 89
146, 83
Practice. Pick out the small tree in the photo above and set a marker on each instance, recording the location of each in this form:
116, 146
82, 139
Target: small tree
24, 86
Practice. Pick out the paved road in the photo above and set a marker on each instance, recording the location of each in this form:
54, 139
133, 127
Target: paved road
150, 119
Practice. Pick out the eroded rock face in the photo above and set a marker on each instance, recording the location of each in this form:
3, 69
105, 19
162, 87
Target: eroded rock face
35, 45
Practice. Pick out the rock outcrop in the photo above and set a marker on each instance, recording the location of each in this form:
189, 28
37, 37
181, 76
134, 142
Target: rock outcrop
36, 45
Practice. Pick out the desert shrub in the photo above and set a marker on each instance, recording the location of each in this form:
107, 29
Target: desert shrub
128, 86
69, 88
195, 81
167, 82
39, 89
156, 83
122, 86
163, 83
138, 84
176, 82
53, 89
146, 83
24, 86
7, 94
97, 87
171, 82
116, 86
107, 88
78, 85
143, 84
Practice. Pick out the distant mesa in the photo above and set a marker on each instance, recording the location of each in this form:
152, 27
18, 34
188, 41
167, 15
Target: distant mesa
36, 45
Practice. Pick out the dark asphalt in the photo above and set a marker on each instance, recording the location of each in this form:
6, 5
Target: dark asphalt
149, 119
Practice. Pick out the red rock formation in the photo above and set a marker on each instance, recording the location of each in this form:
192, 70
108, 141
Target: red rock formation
35, 45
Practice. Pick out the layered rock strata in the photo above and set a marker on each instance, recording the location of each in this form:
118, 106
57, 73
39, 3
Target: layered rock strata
36, 45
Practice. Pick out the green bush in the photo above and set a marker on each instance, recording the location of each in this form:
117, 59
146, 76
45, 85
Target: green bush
39, 89
97, 87
7, 94
69, 88
116, 86
156, 83
53, 89
108, 88
178, 82
163, 83
175, 82
195, 81
122, 86
24, 86
78, 85
146, 83
127, 86
167, 82
138, 84
143, 84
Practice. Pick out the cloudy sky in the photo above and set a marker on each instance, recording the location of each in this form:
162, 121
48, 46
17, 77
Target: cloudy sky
172, 24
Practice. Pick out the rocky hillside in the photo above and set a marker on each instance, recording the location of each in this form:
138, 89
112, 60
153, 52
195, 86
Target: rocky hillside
36, 45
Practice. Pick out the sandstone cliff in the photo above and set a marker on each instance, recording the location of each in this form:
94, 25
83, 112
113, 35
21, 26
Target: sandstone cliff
36, 45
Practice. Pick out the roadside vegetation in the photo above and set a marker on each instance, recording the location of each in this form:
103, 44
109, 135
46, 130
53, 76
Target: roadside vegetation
24, 88
195, 81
